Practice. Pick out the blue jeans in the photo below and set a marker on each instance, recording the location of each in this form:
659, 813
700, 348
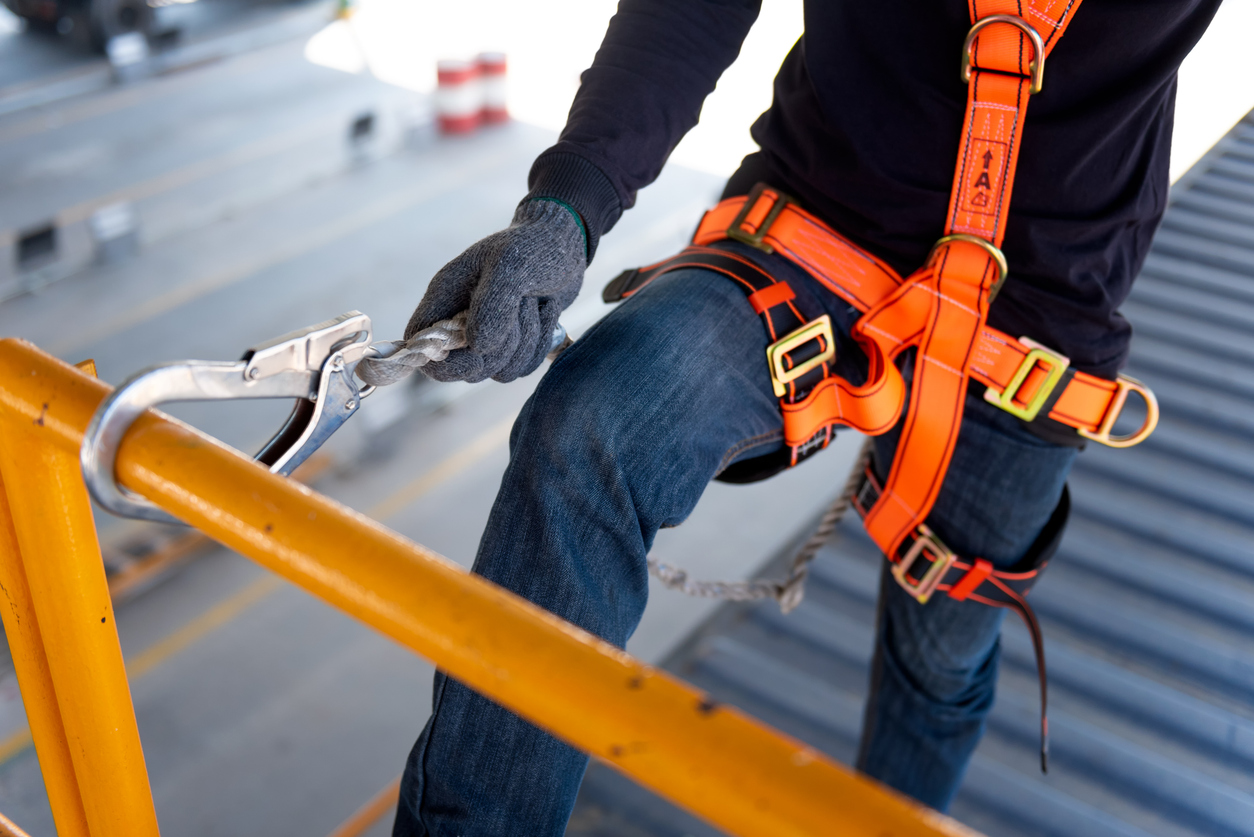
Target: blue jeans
620, 438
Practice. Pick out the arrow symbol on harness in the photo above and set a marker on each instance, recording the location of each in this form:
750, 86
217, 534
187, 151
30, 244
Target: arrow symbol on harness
988, 158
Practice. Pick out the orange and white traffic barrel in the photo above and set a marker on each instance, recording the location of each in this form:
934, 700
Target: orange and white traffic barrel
458, 98
492, 82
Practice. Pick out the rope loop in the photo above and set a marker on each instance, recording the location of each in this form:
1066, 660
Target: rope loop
790, 591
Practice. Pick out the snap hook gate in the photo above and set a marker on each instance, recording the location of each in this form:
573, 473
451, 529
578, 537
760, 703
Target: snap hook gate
315, 365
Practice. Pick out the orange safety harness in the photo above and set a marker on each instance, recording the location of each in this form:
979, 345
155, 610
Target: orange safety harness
941, 310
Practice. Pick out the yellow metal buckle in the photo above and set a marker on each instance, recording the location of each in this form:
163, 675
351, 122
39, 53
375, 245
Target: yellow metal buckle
737, 231
1103, 435
1056, 364
776, 352
931, 548
1037, 66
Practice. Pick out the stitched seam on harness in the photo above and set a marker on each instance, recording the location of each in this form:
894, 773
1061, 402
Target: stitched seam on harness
882, 333
893, 494
995, 106
944, 366
950, 300
1053, 23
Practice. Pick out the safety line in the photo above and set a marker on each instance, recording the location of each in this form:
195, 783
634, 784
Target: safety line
217, 616
369, 813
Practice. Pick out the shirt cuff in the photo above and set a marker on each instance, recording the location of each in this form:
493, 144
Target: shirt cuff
573, 180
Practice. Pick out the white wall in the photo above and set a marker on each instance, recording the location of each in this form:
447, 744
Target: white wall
549, 43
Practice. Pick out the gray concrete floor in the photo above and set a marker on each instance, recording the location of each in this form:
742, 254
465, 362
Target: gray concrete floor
263, 711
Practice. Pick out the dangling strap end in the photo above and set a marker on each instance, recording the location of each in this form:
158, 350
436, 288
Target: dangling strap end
1044, 742
621, 286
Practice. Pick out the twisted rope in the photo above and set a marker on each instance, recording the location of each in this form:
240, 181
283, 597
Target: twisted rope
408, 356
434, 344
788, 591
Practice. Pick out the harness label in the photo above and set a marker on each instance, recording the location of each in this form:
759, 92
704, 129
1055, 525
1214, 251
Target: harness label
985, 176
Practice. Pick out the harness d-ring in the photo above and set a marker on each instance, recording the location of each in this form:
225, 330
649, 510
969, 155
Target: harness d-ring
1037, 66
1103, 434
999, 258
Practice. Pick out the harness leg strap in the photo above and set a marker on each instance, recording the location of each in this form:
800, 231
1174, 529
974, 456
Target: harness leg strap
924, 567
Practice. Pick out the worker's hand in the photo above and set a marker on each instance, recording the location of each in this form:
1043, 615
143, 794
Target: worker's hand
513, 285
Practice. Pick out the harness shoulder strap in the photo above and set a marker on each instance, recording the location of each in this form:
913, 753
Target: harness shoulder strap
1003, 62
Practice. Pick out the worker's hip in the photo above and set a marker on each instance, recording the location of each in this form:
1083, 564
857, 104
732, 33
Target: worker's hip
673, 383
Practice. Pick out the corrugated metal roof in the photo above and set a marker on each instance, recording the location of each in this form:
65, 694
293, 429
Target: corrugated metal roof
1148, 609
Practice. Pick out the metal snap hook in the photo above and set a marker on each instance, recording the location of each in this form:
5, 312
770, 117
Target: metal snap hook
314, 365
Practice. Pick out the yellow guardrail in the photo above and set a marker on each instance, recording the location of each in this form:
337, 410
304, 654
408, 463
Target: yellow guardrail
713, 760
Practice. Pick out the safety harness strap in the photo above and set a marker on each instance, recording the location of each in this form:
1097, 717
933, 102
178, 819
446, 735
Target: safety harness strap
1003, 62
801, 351
1021, 376
941, 310
927, 566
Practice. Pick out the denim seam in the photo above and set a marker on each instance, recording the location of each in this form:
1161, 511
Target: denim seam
744, 444
422, 767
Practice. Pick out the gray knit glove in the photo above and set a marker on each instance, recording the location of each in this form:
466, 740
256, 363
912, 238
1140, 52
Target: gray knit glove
514, 284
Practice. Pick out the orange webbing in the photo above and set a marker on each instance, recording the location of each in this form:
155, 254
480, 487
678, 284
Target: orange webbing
1083, 403
963, 274
844, 268
997, 98
996, 108
960, 287
866, 283
941, 308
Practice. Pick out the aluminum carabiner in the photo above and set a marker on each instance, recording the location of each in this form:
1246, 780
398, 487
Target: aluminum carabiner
315, 365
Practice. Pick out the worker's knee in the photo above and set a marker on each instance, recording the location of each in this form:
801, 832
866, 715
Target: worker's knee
674, 373
945, 652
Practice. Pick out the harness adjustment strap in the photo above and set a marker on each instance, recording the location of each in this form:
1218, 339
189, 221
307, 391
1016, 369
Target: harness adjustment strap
1009, 399
771, 296
761, 218
973, 579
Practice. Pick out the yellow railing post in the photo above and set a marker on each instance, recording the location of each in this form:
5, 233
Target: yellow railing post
39, 698
56, 539
713, 760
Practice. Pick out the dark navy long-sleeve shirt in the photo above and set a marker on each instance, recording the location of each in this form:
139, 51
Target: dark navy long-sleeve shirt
864, 132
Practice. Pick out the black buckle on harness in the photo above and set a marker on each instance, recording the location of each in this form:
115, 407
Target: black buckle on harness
737, 231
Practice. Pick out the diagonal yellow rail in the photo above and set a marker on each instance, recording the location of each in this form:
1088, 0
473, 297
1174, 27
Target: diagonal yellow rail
722, 765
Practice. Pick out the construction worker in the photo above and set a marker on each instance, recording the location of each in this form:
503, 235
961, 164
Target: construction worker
670, 389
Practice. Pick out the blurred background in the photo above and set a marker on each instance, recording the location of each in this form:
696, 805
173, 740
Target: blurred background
186, 178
